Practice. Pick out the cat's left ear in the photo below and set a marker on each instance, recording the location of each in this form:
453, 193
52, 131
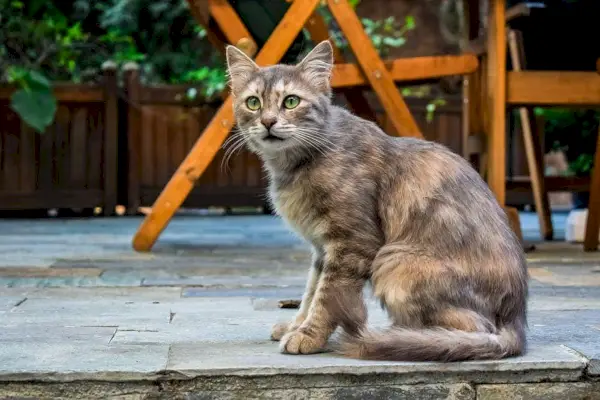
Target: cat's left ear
317, 66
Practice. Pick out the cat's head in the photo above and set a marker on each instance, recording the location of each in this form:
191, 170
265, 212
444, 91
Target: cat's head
282, 107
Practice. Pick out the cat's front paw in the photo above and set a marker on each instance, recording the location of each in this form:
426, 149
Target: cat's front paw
279, 330
298, 342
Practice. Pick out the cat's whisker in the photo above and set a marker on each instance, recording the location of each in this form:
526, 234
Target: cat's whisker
231, 145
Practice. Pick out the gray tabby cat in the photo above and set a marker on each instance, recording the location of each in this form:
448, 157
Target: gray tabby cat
407, 215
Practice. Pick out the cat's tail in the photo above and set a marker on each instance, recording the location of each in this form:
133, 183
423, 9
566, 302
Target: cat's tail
428, 344
436, 344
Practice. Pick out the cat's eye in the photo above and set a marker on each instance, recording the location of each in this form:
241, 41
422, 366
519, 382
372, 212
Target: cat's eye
253, 103
291, 101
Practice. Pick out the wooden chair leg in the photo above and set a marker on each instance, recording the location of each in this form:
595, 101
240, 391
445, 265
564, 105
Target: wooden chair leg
532, 144
592, 226
496, 91
204, 150
374, 69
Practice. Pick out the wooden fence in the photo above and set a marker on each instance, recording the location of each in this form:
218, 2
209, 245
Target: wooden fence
111, 145
74, 163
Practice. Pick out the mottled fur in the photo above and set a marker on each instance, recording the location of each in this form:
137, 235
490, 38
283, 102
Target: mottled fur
407, 215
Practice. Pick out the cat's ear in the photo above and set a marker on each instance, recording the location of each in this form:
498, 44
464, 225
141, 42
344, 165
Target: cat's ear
240, 68
318, 65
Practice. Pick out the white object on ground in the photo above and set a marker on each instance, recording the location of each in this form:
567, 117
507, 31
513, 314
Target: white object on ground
575, 227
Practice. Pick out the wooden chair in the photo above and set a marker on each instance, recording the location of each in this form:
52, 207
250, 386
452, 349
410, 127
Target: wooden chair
524, 88
531, 139
226, 26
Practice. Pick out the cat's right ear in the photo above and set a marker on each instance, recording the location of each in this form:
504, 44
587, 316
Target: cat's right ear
240, 68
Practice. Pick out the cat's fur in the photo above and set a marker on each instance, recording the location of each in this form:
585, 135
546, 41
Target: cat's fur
407, 215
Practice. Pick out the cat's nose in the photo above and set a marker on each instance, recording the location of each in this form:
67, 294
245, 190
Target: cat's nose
268, 122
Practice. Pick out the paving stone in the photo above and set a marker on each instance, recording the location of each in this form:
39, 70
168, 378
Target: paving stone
98, 293
8, 302
591, 351
48, 272
562, 327
35, 333
68, 281
71, 361
124, 314
546, 303
541, 391
228, 281
280, 293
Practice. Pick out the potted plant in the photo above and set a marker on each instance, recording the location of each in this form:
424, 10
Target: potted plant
575, 133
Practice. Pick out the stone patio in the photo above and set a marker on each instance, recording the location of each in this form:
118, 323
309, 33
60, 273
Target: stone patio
83, 316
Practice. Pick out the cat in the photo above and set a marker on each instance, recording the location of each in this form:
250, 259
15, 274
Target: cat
406, 215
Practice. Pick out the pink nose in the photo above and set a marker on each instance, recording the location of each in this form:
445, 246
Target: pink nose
268, 122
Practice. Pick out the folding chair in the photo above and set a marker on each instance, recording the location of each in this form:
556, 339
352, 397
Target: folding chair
370, 71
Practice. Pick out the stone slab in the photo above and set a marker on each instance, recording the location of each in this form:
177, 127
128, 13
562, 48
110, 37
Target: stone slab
261, 358
75, 361
34, 333
67, 281
541, 391
591, 351
48, 272
125, 314
8, 302
280, 293
98, 293
228, 281
459, 391
78, 390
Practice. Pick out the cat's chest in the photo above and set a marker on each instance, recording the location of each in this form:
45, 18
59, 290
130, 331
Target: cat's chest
299, 205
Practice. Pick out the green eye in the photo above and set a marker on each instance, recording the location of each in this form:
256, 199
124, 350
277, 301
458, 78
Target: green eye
291, 102
253, 103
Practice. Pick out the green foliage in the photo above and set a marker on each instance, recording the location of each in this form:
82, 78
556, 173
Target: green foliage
46, 41
573, 131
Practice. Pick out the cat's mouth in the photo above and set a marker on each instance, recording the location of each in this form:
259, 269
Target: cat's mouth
272, 138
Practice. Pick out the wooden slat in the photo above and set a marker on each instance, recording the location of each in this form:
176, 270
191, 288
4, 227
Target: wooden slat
161, 136
56, 198
376, 73
77, 149
204, 150
94, 156
553, 88
62, 127
592, 226
147, 156
236, 33
27, 156
111, 138
133, 86
408, 69
532, 144
76, 93
496, 96
552, 184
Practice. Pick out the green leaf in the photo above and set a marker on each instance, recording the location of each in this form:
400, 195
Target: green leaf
354, 3
409, 22
36, 80
394, 42
35, 107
